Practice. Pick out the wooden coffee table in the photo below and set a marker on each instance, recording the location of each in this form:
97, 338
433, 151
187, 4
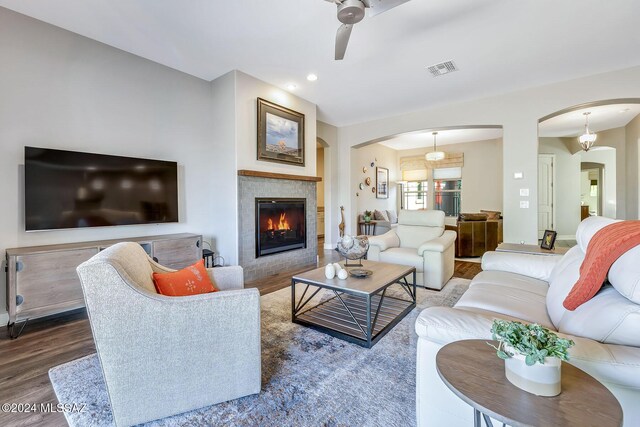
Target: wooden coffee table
360, 310
471, 370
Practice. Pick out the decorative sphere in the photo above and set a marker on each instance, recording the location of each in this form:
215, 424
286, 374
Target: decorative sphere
343, 274
356, 250
347, 241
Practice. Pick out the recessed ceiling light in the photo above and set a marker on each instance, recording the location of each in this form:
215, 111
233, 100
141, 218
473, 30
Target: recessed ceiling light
312, 77
625, 110
291, 86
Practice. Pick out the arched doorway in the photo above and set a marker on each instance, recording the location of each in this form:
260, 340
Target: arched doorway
574, 183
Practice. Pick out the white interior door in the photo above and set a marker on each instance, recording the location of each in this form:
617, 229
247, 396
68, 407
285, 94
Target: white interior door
546, 176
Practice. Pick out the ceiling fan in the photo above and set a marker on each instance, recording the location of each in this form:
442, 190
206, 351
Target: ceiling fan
350, 12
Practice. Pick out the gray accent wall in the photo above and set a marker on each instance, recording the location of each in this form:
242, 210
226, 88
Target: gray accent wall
61, 90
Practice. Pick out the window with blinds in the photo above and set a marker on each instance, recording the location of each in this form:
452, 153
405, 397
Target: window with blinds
414, 195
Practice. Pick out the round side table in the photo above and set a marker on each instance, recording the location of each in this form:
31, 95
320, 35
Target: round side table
474, 373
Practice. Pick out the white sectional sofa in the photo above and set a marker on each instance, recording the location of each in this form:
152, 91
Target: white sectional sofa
532, 288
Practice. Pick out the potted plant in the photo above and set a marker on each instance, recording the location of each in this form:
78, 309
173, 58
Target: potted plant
533, 356
367, 216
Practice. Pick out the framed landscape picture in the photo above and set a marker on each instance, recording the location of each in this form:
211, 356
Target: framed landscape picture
280, 134
382, 183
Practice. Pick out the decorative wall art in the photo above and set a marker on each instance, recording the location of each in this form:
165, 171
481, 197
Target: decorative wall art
280, 134
382, 183
367, 181
548, 239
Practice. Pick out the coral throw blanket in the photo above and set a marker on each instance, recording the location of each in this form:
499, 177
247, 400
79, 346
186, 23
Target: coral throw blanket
605, 247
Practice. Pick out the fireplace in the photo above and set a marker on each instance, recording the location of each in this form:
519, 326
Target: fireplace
280, 225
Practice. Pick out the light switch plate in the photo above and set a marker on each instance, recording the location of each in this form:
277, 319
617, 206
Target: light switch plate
518, 175
524, 204
524, 192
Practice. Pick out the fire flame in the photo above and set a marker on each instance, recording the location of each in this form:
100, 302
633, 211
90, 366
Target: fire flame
282, 225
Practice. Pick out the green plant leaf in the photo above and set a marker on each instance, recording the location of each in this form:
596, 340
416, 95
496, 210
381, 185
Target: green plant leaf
530, 360
502, 355
533, 341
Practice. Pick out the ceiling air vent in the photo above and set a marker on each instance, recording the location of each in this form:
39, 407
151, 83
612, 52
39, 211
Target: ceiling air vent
442, 68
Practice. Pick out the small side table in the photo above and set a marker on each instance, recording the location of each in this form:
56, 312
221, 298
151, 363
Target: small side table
368, 228
210, 258
471, 370
530, 249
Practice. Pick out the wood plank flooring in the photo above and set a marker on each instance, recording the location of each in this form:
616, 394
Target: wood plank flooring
25, 362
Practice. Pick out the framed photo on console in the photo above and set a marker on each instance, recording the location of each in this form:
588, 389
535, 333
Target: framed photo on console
548, 239
382, 183
280, 134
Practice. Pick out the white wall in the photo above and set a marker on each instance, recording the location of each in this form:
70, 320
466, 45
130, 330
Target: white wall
615, 207
223, 200
568, 181
320, 173
320, 189
481, 174
61, 90
248, 89
567, 185
609, 185
518, 113
329, 134
382, 157
586, 199
632, 144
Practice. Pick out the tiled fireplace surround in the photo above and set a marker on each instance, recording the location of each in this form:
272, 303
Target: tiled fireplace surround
252, 187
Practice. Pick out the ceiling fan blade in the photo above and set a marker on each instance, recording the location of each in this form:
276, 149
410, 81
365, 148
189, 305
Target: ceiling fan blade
338, 2
376, 7
342, 40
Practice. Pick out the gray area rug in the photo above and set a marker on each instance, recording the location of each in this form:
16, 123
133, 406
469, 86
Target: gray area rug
308, 378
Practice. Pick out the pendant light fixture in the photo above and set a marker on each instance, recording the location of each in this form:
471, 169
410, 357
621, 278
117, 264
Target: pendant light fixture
435, 155
588, 138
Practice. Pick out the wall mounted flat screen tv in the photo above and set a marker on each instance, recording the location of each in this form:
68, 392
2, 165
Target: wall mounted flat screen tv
69, 189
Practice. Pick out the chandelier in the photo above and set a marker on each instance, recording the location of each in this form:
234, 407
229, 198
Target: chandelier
435, 155
588, 138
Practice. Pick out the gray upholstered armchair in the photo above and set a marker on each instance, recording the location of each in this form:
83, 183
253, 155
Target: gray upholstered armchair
163, 355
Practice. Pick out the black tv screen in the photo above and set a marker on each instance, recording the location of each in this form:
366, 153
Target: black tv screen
69, 189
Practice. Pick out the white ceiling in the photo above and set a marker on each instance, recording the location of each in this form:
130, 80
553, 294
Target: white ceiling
498, 45
422, 139
602, 117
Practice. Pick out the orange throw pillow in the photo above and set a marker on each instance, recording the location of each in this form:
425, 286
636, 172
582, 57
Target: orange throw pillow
191, 280
605, 247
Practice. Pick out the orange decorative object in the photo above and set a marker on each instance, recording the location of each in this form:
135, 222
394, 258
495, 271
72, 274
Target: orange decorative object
605, 247
191, 280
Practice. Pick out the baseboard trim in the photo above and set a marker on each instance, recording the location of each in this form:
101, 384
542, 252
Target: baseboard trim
4, 318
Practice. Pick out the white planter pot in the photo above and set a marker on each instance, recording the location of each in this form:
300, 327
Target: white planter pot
541, 380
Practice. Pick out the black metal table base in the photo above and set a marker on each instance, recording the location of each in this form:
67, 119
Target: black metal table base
351, 316
479, 416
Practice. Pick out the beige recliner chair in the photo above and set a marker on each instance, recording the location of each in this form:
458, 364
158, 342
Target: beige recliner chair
420, 241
